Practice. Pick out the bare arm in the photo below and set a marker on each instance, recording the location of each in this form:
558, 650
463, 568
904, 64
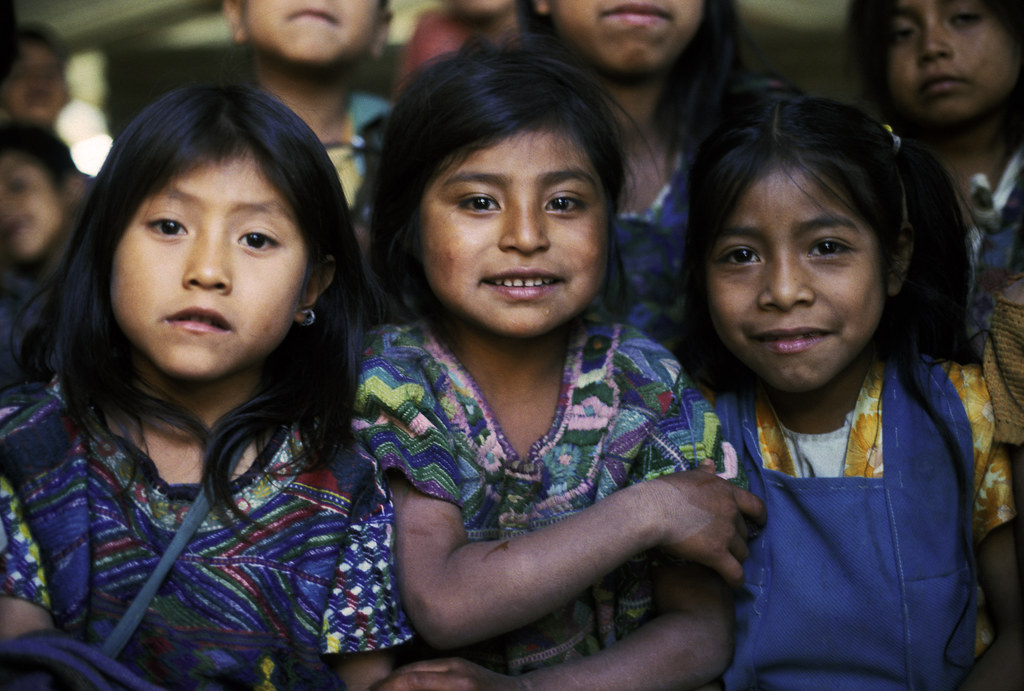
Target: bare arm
686, 646
1002, 665
458, 593
360, 671
18, 617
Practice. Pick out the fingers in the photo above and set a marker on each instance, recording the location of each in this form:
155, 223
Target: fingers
730, 570
751, 506
708, 466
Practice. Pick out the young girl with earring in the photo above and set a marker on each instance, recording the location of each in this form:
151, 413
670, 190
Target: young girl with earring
212, 284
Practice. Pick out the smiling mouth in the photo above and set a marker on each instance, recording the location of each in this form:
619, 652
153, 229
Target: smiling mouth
521, 282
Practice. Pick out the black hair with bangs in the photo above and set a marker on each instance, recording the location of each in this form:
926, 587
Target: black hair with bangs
311, 377
854, 158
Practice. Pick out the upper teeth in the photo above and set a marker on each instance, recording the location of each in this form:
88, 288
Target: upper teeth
525, 282
200, 319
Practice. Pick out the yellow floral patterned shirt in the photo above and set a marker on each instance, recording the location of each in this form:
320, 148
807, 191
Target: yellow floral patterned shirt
993, 493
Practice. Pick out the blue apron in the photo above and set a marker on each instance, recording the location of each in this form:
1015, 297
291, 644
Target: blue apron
858, 583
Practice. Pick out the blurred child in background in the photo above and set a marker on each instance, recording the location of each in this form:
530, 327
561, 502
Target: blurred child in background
674, 71
307, 57
447, 28
950, 75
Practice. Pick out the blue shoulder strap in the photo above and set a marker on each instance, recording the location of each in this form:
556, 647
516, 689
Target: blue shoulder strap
132, 617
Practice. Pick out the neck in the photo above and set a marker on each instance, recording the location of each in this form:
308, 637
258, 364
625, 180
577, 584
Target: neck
978, 147
649, 141
494, 27
319, 98
825, 409
500, 365
208, 402
521, 379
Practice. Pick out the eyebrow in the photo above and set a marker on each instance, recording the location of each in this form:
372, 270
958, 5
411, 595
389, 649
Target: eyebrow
269, 207
550, 178
804, 227
900, 10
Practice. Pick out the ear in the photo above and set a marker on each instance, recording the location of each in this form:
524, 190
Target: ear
901, 259
319, 279
234, 13
380, 36
542, 7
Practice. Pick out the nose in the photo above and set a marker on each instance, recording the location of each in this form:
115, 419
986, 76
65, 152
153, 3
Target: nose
208, 264
786, 285
935, 42
525, 231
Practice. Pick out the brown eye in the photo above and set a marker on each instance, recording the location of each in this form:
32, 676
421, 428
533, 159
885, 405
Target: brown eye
256, 241
168, 227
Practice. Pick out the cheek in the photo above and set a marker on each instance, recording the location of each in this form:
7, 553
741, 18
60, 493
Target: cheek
726, 305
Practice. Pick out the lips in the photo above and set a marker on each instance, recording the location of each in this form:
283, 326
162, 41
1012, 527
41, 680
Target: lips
315, 14
637, 13
939, 84
199, 319
789, 341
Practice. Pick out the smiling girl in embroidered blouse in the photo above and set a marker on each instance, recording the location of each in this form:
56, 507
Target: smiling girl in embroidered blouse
519, 435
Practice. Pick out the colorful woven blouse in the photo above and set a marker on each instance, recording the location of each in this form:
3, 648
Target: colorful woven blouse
248, 604
993, 494
625, 414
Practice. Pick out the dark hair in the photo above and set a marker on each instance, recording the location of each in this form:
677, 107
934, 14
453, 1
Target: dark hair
869, 28
44, 36
466, 102
701, 77
42, 145
853, 158
856, 160
79, 340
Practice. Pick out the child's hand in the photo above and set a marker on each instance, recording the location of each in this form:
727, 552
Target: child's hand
450, 674
702, 519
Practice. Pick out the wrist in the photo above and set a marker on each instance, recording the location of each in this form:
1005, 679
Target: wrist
643, 499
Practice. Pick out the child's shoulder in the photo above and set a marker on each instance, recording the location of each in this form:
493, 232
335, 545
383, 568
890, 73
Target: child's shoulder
396, 351
35, 431
969, 382
634, 356
397, 371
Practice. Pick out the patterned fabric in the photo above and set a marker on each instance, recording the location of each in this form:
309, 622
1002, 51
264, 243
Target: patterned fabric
625, 414
251, 603
1000, 250
993, 492
651, 246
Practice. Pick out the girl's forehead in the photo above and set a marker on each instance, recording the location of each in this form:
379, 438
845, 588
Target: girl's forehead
545, 138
